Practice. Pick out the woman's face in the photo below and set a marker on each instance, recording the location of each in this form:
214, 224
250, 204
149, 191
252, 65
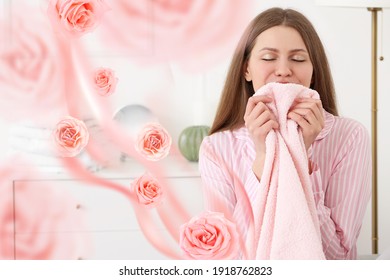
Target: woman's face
279, 55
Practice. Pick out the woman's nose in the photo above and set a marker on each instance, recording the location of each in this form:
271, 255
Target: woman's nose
283, 69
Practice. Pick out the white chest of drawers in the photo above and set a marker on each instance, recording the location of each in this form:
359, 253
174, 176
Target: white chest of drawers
111, 229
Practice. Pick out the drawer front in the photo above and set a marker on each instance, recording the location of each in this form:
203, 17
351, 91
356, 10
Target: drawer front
77, 220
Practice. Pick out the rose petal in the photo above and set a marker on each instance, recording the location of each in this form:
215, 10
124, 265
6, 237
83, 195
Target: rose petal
209, 236
70, 136
153, 142
147, 190
77, 17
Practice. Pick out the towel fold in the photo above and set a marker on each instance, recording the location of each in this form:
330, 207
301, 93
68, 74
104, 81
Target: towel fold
285, 216
36, 144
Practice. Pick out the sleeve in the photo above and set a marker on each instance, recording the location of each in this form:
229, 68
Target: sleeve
341, 208
217, 186
224, 188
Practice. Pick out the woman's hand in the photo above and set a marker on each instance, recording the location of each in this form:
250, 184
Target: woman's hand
308, 114
259, 121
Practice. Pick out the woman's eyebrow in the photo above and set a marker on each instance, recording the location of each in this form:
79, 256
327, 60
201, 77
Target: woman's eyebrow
269, 49
298, 50
276, 50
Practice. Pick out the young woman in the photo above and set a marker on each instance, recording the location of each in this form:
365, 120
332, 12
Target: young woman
282, 46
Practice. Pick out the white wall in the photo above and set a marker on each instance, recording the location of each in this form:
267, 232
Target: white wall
182, 99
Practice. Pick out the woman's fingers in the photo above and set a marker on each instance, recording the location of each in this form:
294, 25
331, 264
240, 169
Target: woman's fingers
306, 114
261, 120
299, 119
255, 108
253, 101
315, 105
261, 131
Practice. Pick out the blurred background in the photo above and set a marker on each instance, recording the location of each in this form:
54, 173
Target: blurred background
171, 57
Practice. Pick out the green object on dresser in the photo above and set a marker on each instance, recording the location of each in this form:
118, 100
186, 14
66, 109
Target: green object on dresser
190, 139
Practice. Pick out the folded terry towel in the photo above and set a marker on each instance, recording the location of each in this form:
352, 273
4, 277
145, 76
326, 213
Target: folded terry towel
36, 144
286, 222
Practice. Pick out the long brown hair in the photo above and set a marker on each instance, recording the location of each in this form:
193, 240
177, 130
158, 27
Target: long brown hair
236, 91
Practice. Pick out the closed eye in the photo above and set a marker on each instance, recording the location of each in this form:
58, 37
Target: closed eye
268, 57
298, 58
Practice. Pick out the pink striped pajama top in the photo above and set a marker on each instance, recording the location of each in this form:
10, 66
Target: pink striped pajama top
341, 179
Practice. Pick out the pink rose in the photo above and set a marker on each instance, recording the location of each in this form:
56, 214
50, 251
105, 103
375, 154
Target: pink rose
71, 136
33, 66
77, 16
105, 81
147, 189
153, 142
37, 220
209, 236
194, 33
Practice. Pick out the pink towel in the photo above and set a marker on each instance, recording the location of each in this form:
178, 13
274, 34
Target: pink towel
286, 222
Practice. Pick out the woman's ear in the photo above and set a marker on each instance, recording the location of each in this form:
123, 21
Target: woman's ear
247, 73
